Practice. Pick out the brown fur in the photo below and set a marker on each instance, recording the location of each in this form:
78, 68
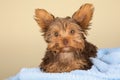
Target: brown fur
67, 48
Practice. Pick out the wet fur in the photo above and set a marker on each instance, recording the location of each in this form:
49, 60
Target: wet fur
67, 48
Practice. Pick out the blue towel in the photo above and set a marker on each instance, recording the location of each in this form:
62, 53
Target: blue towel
106, 67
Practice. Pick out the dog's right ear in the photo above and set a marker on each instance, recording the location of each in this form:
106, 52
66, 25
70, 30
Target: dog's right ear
43, 18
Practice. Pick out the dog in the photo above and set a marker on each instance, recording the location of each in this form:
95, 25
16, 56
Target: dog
67, 48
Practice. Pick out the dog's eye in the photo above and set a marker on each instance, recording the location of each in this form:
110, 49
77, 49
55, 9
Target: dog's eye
56, 34
72, 31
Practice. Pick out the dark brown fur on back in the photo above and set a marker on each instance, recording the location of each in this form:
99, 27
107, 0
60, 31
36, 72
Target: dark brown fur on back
67, 48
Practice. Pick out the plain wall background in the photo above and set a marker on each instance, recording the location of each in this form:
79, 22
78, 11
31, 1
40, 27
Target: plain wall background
21, 43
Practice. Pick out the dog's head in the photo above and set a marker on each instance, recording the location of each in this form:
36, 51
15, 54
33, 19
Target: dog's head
65, 34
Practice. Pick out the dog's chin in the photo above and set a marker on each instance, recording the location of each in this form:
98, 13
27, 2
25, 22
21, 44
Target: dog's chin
68, 49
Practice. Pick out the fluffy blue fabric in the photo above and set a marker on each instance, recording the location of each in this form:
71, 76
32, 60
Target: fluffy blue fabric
106, 67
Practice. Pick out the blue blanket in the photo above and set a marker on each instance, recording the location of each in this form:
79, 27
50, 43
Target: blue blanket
106, 67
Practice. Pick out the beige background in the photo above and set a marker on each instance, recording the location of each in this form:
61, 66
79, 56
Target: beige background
21, 43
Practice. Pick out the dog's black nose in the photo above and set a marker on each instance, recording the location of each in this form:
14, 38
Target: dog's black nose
65, 41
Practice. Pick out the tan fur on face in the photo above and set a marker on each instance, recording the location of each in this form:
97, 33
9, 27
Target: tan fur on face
64, 27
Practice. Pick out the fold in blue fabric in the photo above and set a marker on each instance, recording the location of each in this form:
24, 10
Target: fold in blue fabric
106, 66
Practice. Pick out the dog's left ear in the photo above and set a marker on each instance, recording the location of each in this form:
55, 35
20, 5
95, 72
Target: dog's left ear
83, 15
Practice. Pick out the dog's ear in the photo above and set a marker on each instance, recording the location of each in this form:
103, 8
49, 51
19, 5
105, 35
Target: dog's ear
43, 18
83, 15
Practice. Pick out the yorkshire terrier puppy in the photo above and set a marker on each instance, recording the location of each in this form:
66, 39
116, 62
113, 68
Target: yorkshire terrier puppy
67, 48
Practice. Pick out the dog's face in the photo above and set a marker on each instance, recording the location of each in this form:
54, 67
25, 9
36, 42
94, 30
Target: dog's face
65, 34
